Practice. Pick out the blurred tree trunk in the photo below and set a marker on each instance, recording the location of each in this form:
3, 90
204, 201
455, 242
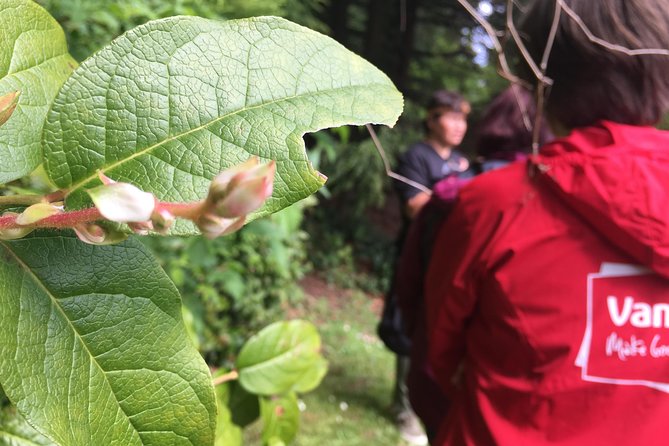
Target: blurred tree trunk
408, 32
377, 30
336, 16
389, 37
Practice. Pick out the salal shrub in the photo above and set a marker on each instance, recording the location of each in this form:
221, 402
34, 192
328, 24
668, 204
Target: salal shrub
181, 126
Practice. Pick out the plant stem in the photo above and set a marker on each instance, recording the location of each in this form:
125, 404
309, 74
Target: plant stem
64, 220
70, 219
182, 210
230, 376
22, 200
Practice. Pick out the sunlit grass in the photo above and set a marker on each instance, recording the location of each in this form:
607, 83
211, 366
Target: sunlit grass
350, 407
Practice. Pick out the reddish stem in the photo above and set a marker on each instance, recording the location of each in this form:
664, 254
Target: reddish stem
72, 218
182, 210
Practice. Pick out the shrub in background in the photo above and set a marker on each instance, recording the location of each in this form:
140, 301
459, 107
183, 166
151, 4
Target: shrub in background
91, 24
235, 285
352, 230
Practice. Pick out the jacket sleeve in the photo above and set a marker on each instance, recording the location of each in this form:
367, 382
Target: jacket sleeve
450, 291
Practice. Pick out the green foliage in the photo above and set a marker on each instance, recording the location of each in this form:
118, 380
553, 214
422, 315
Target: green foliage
15, 431
227, 432
33, 61
280, 417
351, 406
284, 357
91, 24
145, 110
288, 352
235, 285
110, 342
93, 346
345, 246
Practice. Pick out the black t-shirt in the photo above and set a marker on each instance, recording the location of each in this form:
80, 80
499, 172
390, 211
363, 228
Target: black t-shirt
422, 164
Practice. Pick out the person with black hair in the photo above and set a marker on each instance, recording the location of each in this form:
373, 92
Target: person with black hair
547, 294
425, 163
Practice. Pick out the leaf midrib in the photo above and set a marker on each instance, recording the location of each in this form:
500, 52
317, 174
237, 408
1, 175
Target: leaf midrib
149, 149
271, 361
76, 333
14, 73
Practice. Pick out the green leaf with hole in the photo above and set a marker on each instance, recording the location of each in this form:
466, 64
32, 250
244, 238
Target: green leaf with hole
34, 62
173, 102
283, 357
93, 347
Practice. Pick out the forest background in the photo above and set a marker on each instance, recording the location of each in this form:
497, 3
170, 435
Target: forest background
233, 286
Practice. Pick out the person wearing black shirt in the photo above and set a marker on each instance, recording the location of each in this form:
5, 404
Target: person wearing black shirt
426, 163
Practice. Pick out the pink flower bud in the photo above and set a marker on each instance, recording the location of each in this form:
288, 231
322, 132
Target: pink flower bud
8, 103
37, 212
123, 202
141, 228
162, 220
219, 186
94, 234
241, 190
213, 226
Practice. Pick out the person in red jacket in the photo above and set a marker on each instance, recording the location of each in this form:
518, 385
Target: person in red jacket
547, 294
502, 137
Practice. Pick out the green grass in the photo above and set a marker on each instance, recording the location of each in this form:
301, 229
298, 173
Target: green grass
350, 407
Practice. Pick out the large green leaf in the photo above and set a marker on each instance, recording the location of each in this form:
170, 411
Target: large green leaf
34, 61
282, 357
93, 348
171, 103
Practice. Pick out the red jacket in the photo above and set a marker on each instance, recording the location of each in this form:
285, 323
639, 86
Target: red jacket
540, 330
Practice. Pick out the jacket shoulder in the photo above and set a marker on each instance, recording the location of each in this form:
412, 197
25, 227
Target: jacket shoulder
499, 189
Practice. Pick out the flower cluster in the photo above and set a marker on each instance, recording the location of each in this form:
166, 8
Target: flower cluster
233, 194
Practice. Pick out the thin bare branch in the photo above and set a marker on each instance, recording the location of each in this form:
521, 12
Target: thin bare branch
608, 45
551, 38
536, 131
541, 87
521, 106
520, 7
504, 69
386, 164
521, 46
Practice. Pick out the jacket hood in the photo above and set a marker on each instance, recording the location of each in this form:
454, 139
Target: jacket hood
617, 178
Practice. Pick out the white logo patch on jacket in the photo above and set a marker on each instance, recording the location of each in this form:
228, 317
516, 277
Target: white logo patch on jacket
626, 340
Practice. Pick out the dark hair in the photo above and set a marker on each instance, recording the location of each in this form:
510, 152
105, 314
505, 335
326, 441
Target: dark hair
502, 128
444, 101
592, 82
